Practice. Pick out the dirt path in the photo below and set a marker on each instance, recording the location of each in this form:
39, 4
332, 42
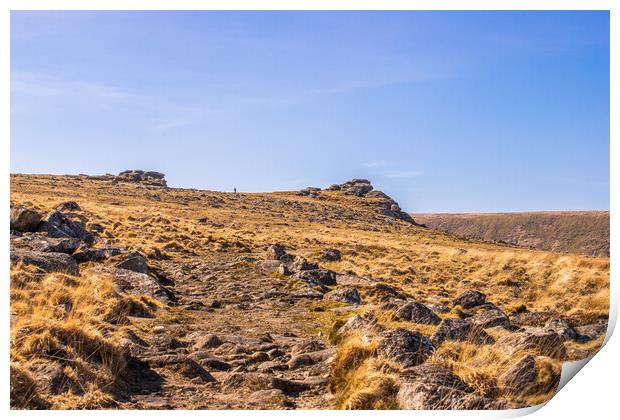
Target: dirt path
260, 327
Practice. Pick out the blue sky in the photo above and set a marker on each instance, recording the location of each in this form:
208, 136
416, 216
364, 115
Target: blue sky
444, 111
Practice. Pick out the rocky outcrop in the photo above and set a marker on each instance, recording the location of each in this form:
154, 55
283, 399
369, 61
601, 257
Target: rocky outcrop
152, 178
383, 203
312, 192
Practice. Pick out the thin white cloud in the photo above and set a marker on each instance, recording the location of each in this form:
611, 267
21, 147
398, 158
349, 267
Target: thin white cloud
33, 84
402, 174
378, 164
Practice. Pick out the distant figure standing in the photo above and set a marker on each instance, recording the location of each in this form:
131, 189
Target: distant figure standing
235, 189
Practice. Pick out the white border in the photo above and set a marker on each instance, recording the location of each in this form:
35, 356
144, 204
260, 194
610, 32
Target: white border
593, 395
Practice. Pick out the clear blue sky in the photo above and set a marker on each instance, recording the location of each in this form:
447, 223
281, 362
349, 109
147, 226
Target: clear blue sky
445, 111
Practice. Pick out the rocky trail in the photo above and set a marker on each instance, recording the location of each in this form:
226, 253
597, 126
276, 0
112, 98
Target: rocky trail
228, 319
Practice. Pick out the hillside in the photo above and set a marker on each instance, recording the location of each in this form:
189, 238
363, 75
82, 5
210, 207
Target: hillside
582, 232
129, 294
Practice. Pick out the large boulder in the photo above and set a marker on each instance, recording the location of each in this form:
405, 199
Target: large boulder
470, 299
533, 340
41, 243
57, 225
131, 282
453, 329
434, 387
47, 261
416, 312
405, 347
24, 220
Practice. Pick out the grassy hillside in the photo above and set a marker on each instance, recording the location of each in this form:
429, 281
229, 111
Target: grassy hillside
583, 232
217, 322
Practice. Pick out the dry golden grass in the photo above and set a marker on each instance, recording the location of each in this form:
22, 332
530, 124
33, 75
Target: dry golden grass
58, 319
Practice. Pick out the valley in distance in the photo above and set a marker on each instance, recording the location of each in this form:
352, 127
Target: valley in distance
128, 294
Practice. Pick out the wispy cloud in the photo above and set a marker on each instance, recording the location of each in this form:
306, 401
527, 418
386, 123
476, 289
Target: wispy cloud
402, 174
378, 164
34, 84
167, 114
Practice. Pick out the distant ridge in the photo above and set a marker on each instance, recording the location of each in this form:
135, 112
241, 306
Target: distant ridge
582, 232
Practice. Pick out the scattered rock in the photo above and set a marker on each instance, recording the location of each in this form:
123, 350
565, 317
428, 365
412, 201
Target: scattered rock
209, 341
470, 299
277, 252
491, 318
57, 225
332, 255
529, 377
592, 331
405, 347
126, 281
538, 341
418, 313
269, 266
181, 363
561, 328
301, 264
85, 253
68, 206
532, 319
300, 360
49, 262
41, 243
317, 277
269, 398
349, 295
452, 329
134, 262
357, 323
24, 220
385, 292
271, 366
433, 387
